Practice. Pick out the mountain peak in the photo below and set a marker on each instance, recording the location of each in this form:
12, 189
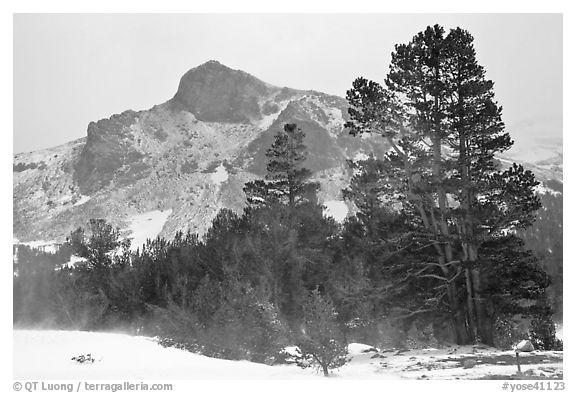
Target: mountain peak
214, 92
213, 63
212, 66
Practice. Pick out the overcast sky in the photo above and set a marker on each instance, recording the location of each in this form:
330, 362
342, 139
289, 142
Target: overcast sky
72, 69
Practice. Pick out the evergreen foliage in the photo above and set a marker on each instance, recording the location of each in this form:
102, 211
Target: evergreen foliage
438, 113
287, 181
435, 254
545, 238
322, 339
98, 249
543, 332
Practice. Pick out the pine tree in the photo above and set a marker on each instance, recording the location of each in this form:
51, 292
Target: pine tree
545, 238
370, 189
106, 255
286, 181
515, 281
322, 339
439, 115
99, 248
394, 254
280, 208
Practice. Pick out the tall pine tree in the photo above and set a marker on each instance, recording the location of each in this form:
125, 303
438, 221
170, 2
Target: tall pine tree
439, 115
283, 210
287, 182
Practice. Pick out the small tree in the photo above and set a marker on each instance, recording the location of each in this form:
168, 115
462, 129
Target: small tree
543, 331
322, 339
103, 280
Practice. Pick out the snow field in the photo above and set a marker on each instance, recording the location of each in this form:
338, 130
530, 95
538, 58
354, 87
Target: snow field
220, 175
336, 209
47, 354
146, 226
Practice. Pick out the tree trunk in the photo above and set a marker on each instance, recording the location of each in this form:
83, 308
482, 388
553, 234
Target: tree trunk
471, 309
325, 370
461, 330
458, 321
483, 306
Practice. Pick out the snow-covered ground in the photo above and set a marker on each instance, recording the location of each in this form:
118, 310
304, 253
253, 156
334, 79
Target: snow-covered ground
46, 354
336, 209
146, 226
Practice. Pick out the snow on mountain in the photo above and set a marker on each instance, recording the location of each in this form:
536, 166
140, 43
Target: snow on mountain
542, 189
547, 170
49, 246
270, 116
192, 156
220, 175
361, 157
326, 112
536, 138
83, 199
337, 210
146, 226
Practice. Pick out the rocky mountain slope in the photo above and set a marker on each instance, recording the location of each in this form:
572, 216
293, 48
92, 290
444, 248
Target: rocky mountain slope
185, 158
175, 165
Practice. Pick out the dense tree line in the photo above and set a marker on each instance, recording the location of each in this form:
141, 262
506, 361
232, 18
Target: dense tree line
430, 256
545, 238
